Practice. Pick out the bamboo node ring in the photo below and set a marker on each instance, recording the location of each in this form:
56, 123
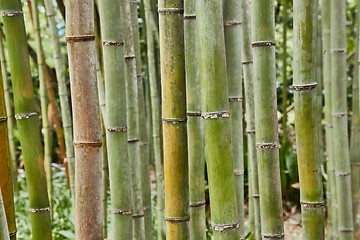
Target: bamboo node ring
190, 17
312, 204
129, 57
304, 87
193, 114
250, 131
215, 115
239, 172
117, 129
139, 215
267, 145
39, 210
224, 227
133, 140
87, 144
145, 209
50, 15
247, 62
231, 23
11, 13
338, 50
25, 115
80, 38
197, 204
112, 43
12, 234
340, 115
177, 219
235, 99
166, 11
273, 235
356, 164
3, 119
121, 212
174, 121
342, 174
255, 196
263, 44
346, 230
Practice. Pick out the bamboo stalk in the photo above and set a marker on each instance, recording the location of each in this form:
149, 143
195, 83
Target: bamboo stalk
112, 34
10, 112
339, 117
176, 172
306, 119
6, 186
4, 232
331, 184
63, 95
250, 114
43, 99
27, 121
144, 144
195, 126
266, 121
133, 124
215, 112
232, 31
155, 115
87, 129
355, 137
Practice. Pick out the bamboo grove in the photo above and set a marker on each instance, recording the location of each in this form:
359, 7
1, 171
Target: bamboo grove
179, 119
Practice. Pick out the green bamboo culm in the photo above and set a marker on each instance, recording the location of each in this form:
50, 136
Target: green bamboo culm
102, 105
266, 121
247, 62
174, 118
195, 126
87, 126
143, 135
26, 116
132, 97
284, 70
306, 119
6, 186
217, 125
340, 120
233, 31
112, 33
155, 117
43, 98
9, 110
63, 94
355, 137
4, 232
331, 181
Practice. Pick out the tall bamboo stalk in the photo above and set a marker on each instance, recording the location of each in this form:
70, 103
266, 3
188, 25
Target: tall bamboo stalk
155, 115
63, 93
87, 129
339, 117
133, 124
4, 232
174, 118
9, 110
215, 112
331, 183
144, 143
250, 113
355, 137
195, 136
102, 105
266, 121
232, 31
284, 58
6, 187
43, 98
25, 114
306, 119
112, 33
